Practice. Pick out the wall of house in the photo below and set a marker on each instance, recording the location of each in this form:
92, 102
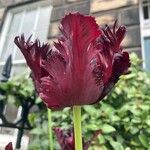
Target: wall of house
105, 12
126, 12
60, 7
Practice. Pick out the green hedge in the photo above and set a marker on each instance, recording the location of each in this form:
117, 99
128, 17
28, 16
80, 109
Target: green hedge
123, 116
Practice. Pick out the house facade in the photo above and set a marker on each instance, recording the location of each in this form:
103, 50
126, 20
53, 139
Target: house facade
41, 19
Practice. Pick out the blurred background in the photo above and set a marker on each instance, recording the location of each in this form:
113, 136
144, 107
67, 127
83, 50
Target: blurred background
124, 116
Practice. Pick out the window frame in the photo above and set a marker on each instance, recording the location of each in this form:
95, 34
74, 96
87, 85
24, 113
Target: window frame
8, 19
145, 30
148, 5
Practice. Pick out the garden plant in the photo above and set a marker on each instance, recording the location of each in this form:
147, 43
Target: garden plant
123, 116
80, 70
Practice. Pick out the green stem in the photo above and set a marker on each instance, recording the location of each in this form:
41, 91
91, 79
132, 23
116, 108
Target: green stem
50, 128
77, 127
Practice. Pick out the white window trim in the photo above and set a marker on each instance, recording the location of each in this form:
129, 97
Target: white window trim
145, 21
145, 30
7, 21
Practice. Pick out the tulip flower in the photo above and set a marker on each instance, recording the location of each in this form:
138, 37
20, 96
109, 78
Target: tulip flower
9, 146
66, 139
80, 68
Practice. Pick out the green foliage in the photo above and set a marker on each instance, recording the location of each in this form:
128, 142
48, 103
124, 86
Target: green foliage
123, 116
18, 89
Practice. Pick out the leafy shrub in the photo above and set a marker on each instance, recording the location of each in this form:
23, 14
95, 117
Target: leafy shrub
17, 90
123, 116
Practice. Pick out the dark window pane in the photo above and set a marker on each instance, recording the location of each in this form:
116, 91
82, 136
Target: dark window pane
145, 2
145, 12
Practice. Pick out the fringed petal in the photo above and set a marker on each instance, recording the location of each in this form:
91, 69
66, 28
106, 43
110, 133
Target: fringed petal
112, 62
81, 67
33, 52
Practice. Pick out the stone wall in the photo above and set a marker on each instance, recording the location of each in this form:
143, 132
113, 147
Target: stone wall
126, 12
60, 7
105, 12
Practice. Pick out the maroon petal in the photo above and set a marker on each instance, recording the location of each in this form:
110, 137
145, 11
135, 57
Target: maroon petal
71, 80
81, 67
66, 139
33, 52
111, 62
120, 66
9, 146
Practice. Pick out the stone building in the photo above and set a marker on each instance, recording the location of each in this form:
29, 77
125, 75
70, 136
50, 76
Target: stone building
41, 18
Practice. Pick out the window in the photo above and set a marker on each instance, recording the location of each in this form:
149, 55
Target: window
147, 52
33, 18
145, 31
145, 9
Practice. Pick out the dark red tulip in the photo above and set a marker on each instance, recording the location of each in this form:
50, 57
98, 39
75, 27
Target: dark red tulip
9, 146
82, 67
66, 139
